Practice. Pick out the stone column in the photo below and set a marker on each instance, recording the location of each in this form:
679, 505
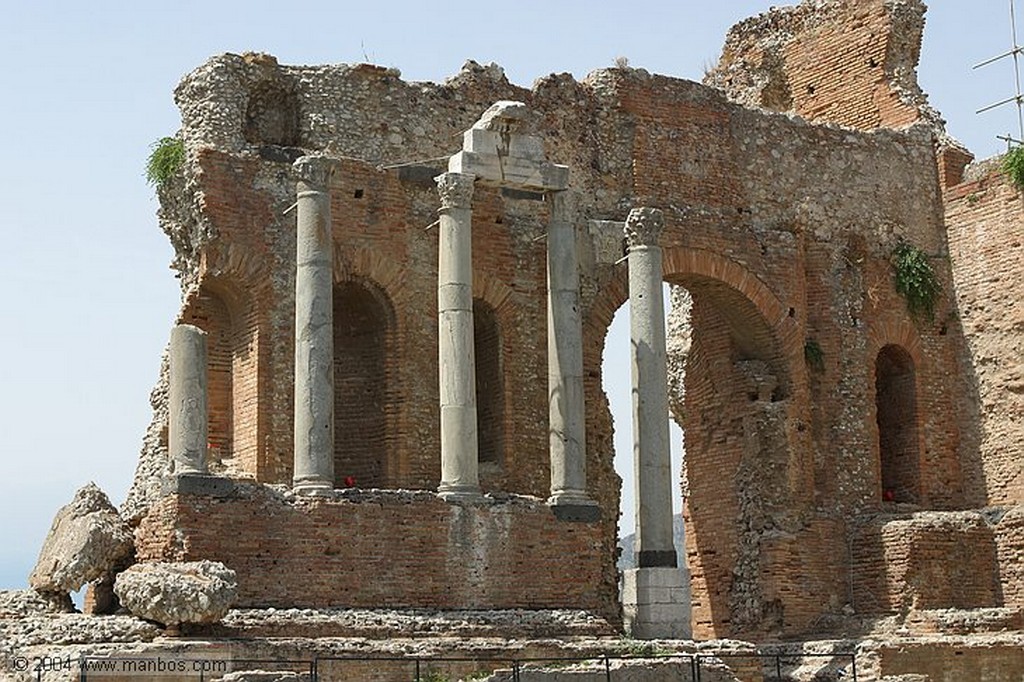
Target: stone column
314, 330
566, 420
187, 423
655, 601
456, 359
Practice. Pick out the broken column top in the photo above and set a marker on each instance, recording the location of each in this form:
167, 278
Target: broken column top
500, 149
505, 116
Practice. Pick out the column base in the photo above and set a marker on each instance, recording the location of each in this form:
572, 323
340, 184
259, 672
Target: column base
574, 506
460, 494
656, 603
312, 488
198, 484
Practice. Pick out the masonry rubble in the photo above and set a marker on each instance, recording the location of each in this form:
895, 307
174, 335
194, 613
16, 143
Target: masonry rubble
88, 541
177, 593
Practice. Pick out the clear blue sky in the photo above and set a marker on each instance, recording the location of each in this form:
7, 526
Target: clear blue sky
86, 296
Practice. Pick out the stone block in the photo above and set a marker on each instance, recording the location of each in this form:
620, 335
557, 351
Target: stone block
656, 603
87, 541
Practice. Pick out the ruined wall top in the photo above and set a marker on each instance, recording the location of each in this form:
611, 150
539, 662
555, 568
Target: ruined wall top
848, 62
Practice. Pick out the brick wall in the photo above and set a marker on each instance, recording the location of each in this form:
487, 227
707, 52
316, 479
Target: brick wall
985, 221
930, 560
850, 62
387, 549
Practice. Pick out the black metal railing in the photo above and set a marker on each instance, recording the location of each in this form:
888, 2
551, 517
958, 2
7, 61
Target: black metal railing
774, 667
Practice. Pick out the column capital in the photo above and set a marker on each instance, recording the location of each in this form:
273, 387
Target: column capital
455, 190
643, 227
315, 170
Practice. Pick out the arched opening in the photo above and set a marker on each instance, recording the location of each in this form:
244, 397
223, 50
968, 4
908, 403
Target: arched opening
896, 415
361, 325
729, 384
490, 391
230, 322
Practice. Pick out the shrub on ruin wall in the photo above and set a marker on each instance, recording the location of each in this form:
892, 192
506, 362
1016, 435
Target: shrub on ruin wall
166, 157
916, 280
1013, 166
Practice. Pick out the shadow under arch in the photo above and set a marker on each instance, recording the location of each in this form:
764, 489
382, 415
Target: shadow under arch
740, 466
230, 316
364, 402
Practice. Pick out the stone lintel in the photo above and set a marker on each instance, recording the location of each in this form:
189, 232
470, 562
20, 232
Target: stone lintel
513, 171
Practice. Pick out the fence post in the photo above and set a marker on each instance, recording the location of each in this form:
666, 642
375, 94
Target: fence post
417, 670
778, 667
853, 665
607, 668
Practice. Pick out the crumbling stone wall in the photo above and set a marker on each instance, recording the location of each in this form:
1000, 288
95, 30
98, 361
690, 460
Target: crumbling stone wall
850, 62
780, 231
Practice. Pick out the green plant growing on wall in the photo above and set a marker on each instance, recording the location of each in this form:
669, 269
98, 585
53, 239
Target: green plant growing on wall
1013, 166
915, 280
166, 157
814, 356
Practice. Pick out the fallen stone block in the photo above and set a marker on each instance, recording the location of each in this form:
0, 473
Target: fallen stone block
87, 541
176, 593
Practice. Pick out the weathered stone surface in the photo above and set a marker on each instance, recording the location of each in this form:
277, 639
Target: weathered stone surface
263, 676
88, 539
175, 593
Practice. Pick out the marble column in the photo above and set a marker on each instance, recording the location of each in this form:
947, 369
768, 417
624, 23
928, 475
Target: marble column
655, 594
566, 419
314, 329
456, 359
187, 423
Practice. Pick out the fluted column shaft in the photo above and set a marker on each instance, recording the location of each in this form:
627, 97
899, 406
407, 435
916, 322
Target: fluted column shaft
187, 421
456, 359
651, 456
314, 329
566, 418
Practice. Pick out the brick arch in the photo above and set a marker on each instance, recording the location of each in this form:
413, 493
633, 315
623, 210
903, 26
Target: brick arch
681, 263
365, 374
894, 417
369, 266
494, 329
897, 424
689, 267
232, 319
893, 329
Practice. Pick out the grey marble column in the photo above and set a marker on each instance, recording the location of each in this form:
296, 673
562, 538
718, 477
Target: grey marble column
187, 423
566, 420
651, 457
456, 359
314, 329
656, 594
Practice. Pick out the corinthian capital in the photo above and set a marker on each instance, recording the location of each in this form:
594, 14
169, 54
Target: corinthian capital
315, 171
455, 190
643, 227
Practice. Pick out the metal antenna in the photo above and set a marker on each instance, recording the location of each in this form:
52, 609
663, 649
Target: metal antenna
1015, 52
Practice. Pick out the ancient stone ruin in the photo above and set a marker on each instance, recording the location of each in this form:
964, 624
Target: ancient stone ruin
382, 408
